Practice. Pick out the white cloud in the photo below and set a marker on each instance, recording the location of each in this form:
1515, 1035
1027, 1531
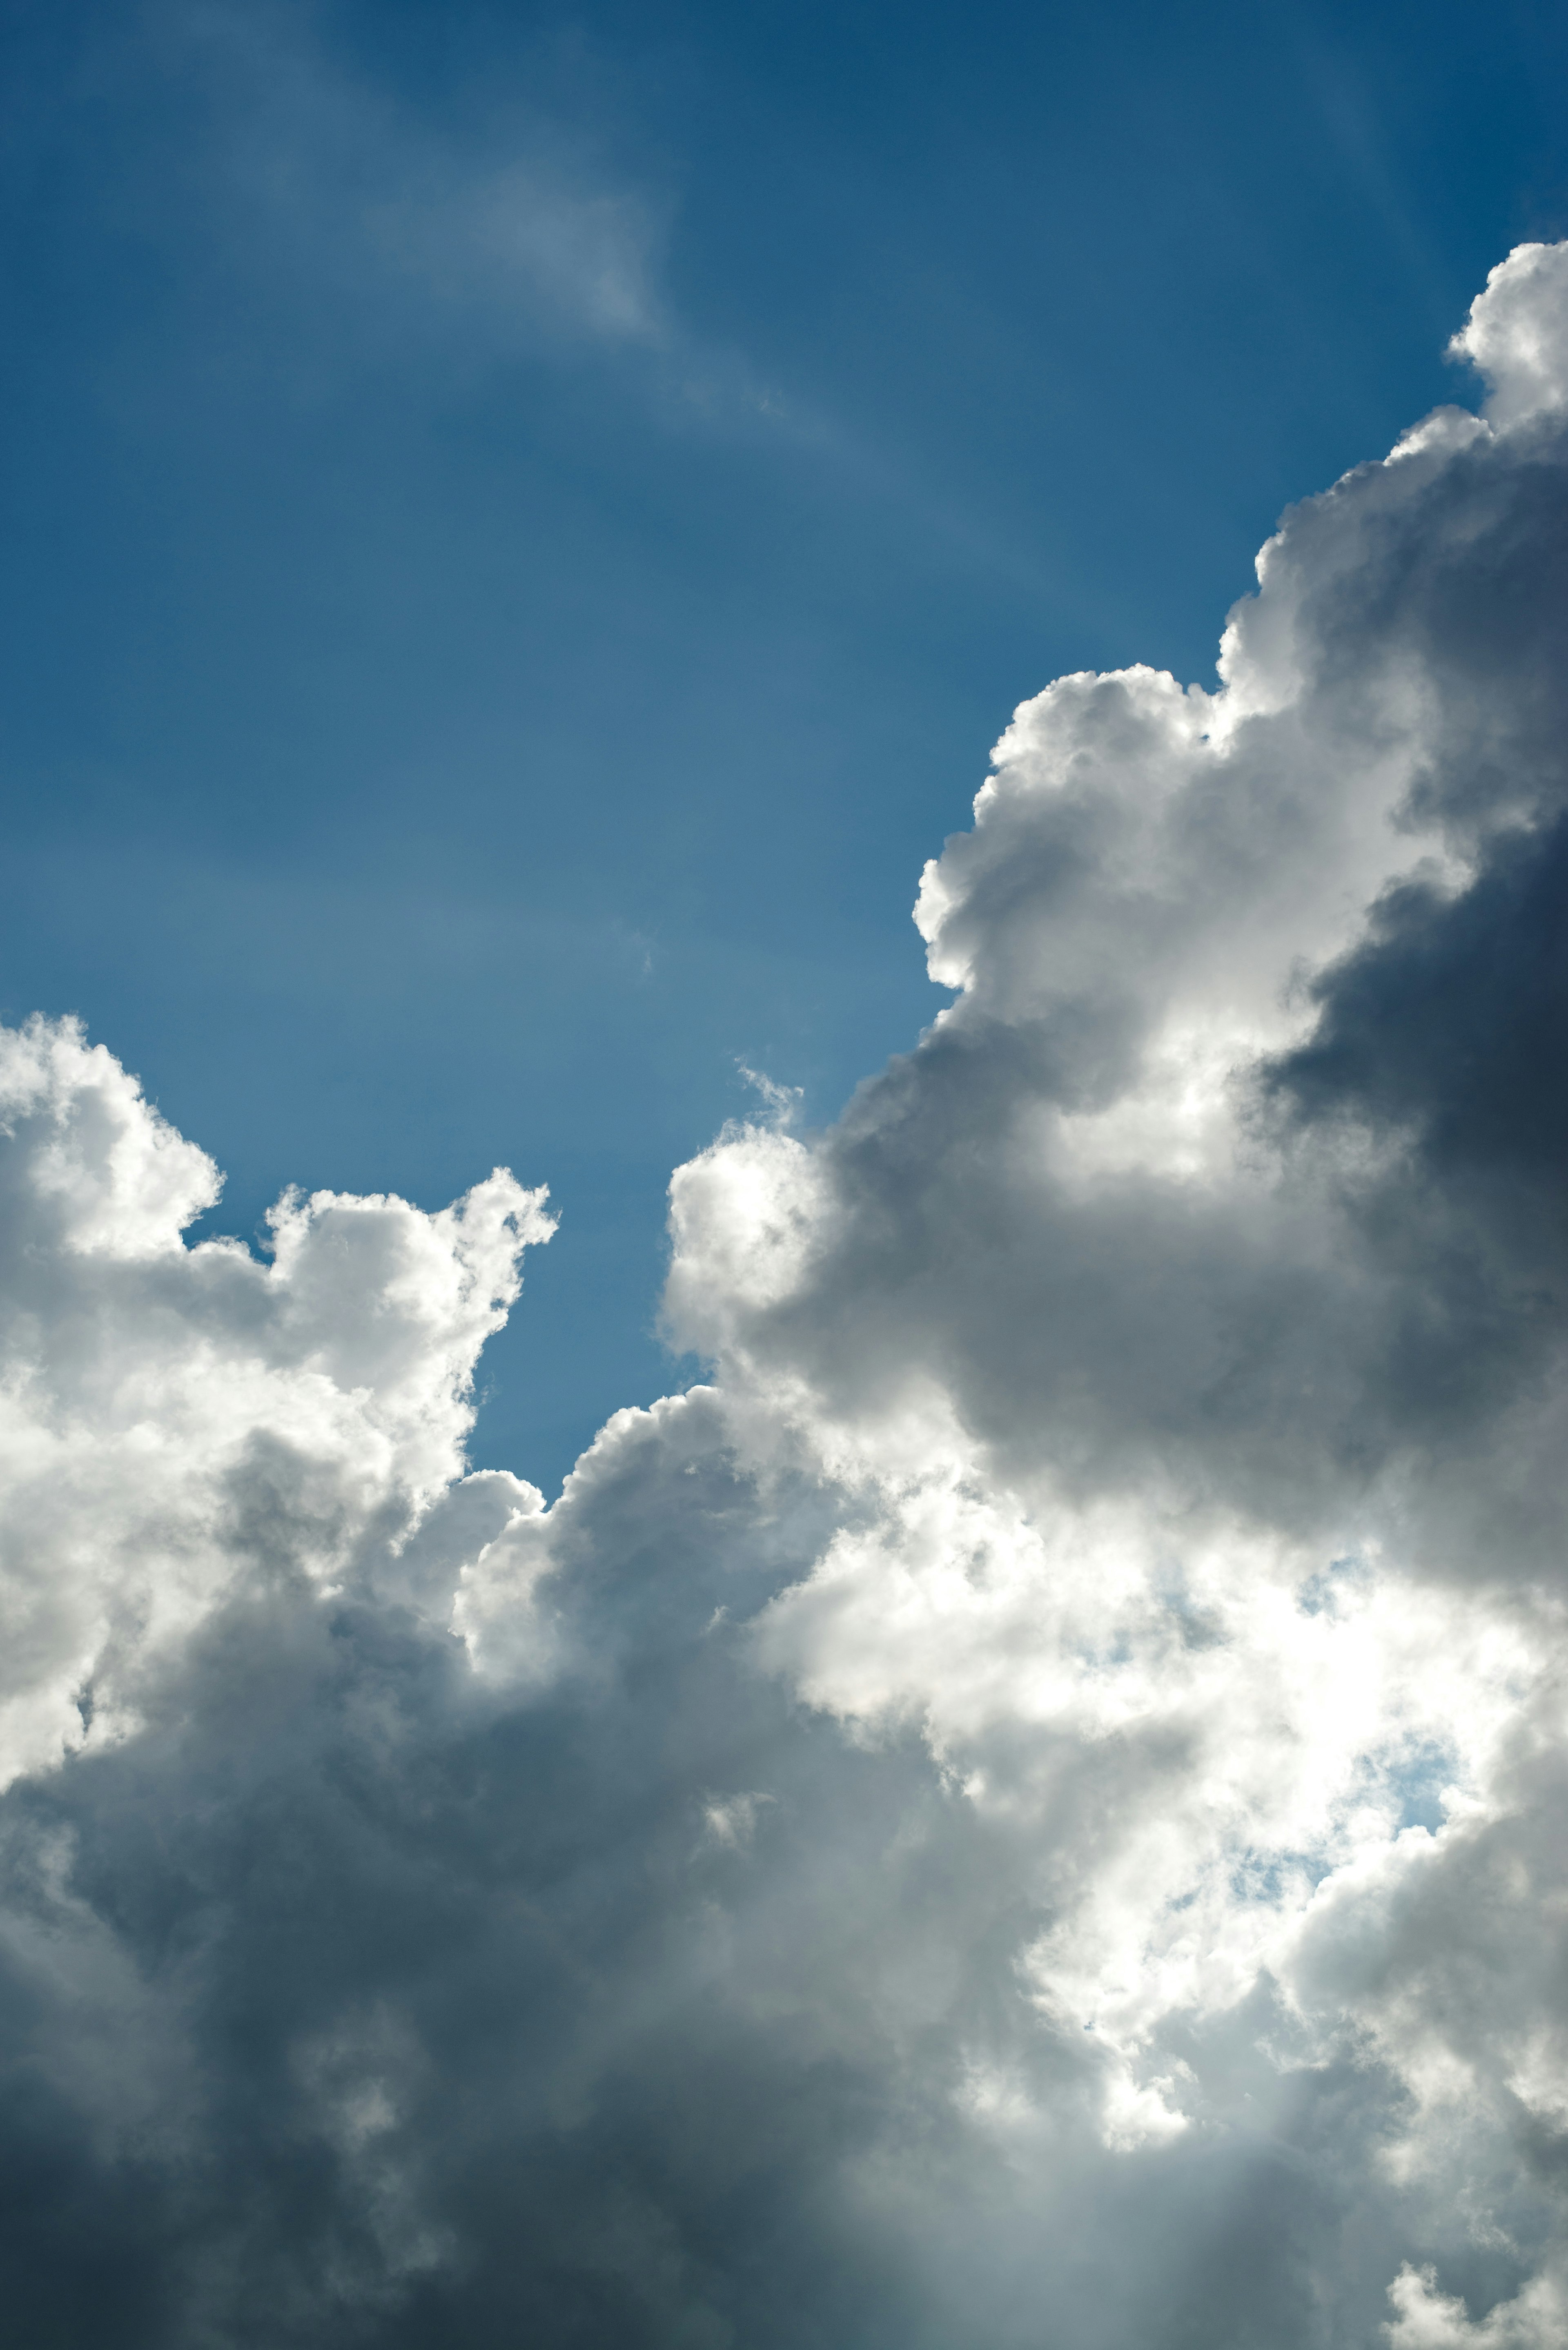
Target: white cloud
180, 1419
1035, 1786
1430, 2320
1517, 335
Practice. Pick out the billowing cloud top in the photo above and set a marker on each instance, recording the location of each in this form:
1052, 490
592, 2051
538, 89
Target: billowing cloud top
1025, 1808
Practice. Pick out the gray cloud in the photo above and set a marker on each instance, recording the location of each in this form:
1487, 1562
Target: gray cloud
1024, 1807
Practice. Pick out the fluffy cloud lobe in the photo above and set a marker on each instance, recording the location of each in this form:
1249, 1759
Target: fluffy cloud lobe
1024, 1807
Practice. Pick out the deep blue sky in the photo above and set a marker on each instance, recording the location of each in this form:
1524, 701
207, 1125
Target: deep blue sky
520, 525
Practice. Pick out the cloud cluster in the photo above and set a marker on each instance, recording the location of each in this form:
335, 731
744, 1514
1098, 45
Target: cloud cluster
1025, 1808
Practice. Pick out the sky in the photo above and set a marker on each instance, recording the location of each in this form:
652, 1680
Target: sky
522, 525
730, 1623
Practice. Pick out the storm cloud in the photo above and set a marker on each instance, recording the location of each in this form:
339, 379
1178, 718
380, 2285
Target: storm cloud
1023, 1809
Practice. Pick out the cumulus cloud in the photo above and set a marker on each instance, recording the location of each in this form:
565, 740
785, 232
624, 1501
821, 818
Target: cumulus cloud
179, 1421
1023, 1807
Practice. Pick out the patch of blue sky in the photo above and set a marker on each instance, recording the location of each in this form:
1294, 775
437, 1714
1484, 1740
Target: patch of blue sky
1415, 1784
1407, 1786
1335, 1587
1270, 1878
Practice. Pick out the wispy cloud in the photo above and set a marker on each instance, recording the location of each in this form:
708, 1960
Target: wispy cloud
520, 234
520, 225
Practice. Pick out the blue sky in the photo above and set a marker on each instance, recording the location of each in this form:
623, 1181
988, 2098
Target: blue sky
520, 525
